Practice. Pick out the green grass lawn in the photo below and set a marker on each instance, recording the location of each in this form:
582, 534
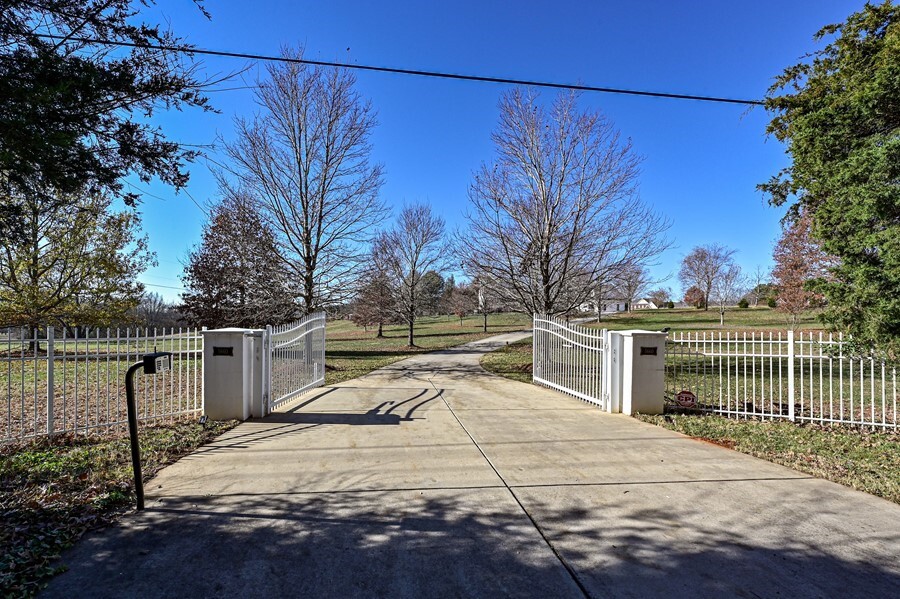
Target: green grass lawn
351, 351
512, 361
691, 319
54, 490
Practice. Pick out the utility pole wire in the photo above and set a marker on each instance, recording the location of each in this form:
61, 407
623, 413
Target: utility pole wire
162, 286
418, 73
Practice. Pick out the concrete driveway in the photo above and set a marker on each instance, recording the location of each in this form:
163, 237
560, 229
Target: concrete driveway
432, 478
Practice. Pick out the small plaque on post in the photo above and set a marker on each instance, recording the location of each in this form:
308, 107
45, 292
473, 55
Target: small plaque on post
648, 351
223, 351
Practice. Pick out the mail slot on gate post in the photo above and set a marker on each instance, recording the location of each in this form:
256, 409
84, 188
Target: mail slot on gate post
637, 368
232, 373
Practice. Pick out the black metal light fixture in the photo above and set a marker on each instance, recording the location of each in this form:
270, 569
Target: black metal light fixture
152, 364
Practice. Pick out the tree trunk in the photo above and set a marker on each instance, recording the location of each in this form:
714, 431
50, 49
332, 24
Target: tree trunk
380, 331
722, 317
410, 338
34, 345
484, 328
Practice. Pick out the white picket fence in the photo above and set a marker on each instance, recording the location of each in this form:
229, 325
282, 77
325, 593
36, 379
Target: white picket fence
57, 382
294, 359
571, 359
808, 376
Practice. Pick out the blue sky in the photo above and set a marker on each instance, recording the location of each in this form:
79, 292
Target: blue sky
701, 161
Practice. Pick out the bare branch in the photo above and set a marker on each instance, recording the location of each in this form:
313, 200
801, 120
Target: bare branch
557, 212
305, 157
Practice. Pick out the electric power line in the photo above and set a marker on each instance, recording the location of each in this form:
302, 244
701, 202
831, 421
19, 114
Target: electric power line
163, 286
196, 203
415, 72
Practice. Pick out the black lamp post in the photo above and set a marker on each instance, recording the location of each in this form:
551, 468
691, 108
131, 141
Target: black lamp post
152, 364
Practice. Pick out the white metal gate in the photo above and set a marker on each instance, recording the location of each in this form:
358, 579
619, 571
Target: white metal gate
293, 359
572, 359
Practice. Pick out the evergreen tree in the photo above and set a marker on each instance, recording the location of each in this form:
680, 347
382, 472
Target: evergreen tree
236, 277
74, 107
839, 116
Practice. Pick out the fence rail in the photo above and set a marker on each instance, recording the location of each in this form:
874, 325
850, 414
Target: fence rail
570, 358
63, 382
295, 359
809, 377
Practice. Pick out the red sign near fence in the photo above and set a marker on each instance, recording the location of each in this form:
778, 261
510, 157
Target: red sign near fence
686, 399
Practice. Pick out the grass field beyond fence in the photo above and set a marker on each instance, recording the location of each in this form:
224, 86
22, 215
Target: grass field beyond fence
81, 380
691, 319
352, 351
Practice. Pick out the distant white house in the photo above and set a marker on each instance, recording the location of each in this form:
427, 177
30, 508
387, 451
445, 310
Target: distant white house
607, 306
644, 304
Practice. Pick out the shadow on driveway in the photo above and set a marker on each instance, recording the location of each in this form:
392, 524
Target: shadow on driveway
433, 543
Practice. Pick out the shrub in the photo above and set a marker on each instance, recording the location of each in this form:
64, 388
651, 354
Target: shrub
743, 303
771, 302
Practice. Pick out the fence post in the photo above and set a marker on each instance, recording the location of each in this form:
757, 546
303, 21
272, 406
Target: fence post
267, 370
605, 370
50, 386
534, 346
324, 330
790, 374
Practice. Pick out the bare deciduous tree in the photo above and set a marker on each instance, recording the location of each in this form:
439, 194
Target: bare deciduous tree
154, 311
484, 297
758, 279
414, 246
557, 212
728, 287
465, 300
632, 282
374, 304
306, 158
704, 266
661, 296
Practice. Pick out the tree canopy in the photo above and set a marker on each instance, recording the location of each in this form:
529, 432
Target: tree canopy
77, 264
839, 115
74, 107
236, 277
557, 212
